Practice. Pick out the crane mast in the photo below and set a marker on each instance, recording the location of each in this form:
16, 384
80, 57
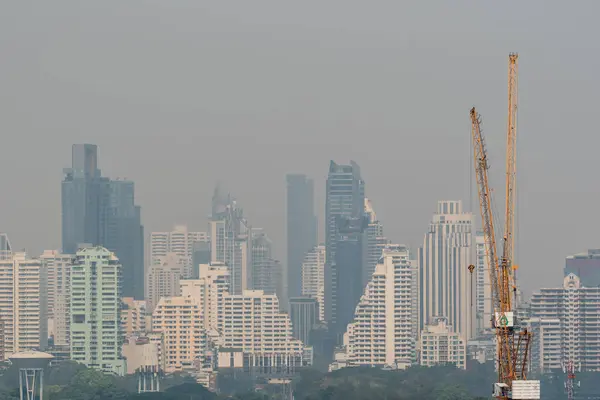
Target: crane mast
512, 341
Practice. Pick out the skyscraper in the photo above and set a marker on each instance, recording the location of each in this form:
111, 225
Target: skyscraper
586, 266
445, 289
266, 271
231, 241
304, 316
85, 199
96, 291
345, 197
301, 228
5, 249
125, 236
101, 212
58, 268
376, 242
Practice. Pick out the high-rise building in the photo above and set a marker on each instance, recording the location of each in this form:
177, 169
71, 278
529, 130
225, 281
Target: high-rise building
444, 279
23, 303
546, 346
2, 350
574, 310
200, 255
59, 281
345, 194
231, 242
304, 315
348, 270
376, 242
178, 319
313, 277
209, 291
381, 333
125, 236
253, 323
301, 228
163, 278
99, 212
96, 291
179, 241
441, 345
85, 200
266, 271
586, 266
483, 288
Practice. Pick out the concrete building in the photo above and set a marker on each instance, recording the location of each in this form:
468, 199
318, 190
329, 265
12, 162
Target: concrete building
179, 241
574, 311
483, 288
163, 278
231, 241
304, 316
313, 277
23, 303
140, 352
178, 320
345, 197
59, 280
2, 347
586, 266
381, 334
266, 271
444, 280
301, 224
376, 241
441, 345
96, 289
254, 324
209, 292
133, 317
546, 346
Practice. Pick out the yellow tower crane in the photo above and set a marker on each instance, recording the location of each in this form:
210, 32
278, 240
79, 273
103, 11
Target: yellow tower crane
512, 341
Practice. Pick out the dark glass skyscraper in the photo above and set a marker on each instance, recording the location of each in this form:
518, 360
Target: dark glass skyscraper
301, 228
102, 212
345, 197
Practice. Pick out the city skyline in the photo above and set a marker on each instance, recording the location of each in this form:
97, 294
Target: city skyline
156, 126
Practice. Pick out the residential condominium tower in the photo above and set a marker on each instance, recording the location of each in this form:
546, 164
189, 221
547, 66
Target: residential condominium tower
381, 333
96, 289
345, 197
301, 224
58, 268
313, 277
444, 279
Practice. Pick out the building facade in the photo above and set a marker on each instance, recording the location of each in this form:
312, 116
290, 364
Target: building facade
313, 277
58, 268
345, 197
304, 314
23, 303
376, 241
483, 288
163, 278
381, 333
444, 279
96, 333
179, 241
441, 345
586, 266
301, 224
574, 311
266, 271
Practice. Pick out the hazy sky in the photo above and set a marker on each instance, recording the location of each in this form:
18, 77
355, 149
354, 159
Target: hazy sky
179, 94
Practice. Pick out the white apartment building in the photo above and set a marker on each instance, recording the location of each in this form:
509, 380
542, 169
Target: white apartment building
209, 292
58, 266
483, 288
382, 334
179, 241
253, 323
313, 277
179, 321
23, 303
440, 345
133, 317
569, 315
96, 289
163, 278
444, 279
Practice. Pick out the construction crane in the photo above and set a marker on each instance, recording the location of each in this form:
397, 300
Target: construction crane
512, 341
